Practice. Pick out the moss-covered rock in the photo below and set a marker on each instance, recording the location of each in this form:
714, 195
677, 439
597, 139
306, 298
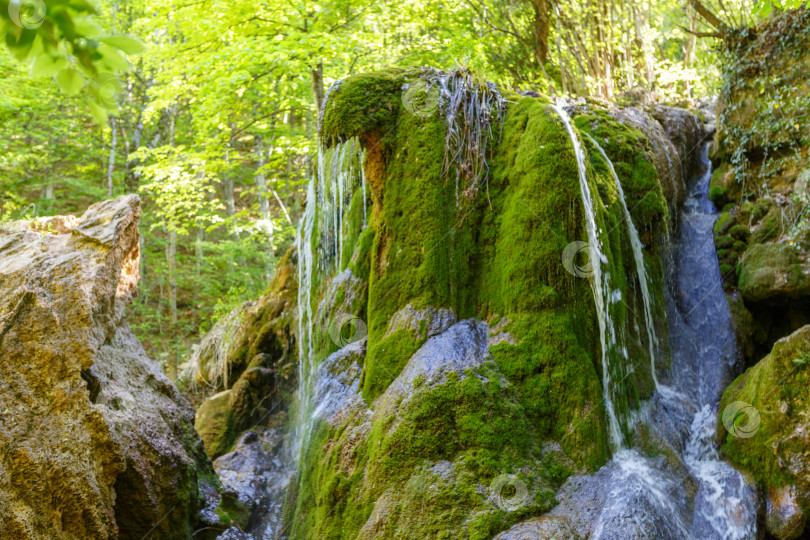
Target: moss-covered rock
773, 271
246, 366
765, 418
512, 393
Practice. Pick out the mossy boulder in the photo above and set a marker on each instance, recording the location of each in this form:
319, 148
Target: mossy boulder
430, 413
444, 430
764, 421
770, 271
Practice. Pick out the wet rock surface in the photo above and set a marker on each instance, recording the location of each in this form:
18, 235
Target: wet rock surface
542, 528
96, 442
785, 518
255, 476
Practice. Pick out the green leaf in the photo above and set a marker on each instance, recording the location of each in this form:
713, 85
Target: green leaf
127, 44
70, 81
113, 58
44, 65
99, 113
86, 27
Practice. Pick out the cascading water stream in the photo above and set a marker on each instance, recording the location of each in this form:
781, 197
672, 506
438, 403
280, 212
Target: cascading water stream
638, 257
600, 283
646, 497
328, 199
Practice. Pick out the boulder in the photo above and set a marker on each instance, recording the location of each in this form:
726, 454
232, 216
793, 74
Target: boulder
774, 271
785, 518
255, 476
95, 441
542, 528
765, 427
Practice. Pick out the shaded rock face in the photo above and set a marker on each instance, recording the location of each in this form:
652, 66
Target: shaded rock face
763, 244
248, 363
168, 477
542, 528
95, 441
765, 427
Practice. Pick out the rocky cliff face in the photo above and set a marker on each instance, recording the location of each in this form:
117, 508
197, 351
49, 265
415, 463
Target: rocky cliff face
762, 240
95, 441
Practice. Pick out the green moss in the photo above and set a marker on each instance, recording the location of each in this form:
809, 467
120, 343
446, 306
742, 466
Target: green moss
723, 242
390, 355
718, 192
360, 263
363, 104
770, 228
772, 271
740, 232
627, 148
724, 223
420, 254
776, 387
214, 422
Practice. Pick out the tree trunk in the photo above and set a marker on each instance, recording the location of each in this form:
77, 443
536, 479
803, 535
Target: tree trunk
318, 92
111, 161
131, 175
640, 25
540, 27
198, 248
688, 51
47, 187
264, 205
171, 260
227, 186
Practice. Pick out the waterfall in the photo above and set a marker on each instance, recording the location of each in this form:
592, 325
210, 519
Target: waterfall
643, 496
600, 282
320, 244
638, 256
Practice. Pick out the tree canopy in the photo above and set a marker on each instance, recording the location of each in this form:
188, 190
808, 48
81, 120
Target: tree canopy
208, 109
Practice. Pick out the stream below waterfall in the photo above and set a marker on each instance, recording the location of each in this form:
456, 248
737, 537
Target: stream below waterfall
693, 495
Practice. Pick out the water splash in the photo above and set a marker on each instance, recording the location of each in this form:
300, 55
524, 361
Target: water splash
600, 282
638, 256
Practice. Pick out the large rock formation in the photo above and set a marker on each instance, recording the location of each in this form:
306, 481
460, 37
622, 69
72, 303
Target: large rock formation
95, 442
763, 243
451, 373
473, 388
